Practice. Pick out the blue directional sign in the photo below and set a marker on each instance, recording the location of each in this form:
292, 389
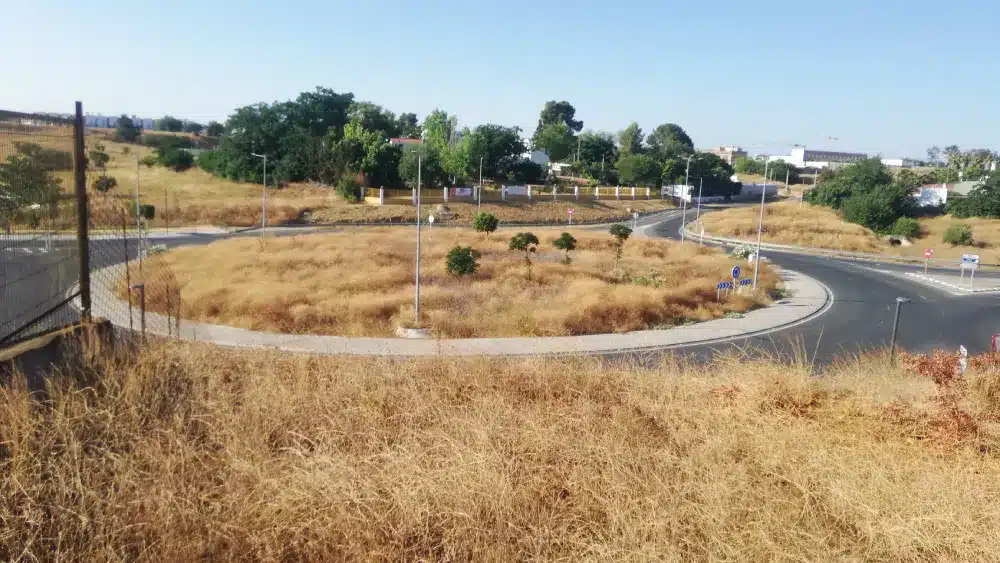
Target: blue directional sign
724, 285
736, 272
746, 281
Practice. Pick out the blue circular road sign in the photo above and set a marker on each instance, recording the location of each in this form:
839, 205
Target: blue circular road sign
736, 272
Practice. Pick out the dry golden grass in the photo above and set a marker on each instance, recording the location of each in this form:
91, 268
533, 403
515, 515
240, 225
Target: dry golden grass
985, 232
360, 283
789, 222
538, 211
192, 452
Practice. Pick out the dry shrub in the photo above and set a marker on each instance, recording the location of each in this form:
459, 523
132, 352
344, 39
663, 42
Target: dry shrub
360, 283
191, 452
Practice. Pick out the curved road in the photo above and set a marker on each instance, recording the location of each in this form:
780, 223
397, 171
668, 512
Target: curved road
864, 304
859, 320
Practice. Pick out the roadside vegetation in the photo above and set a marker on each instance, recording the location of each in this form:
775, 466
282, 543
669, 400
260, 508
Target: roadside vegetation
194, 452
361, 283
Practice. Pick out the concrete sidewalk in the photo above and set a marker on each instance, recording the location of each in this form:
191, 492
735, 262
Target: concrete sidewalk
808, 298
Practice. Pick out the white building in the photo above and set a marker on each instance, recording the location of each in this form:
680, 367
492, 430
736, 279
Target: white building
805, 158
899, 162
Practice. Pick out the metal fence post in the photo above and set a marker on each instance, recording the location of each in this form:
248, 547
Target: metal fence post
128, 278
142, 307
82, 211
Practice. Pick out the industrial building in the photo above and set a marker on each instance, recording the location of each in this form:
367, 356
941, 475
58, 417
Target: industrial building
806, 158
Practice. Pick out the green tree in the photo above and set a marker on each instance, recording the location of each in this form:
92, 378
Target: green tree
374, 117
745, 165
567, 243
98, 159
432, 173
779, 170
983, 201
462, 261
349, 188
127, 131
621, 234
527, 243
407, 126
861, 177
558, 112
879, 208
485, 222
214, 129
556, 139
630, 139
192, 127
177, 160
439, 129
104, 184
501, 149
637, 169
669, 141
169, 123
906, 227
26, 179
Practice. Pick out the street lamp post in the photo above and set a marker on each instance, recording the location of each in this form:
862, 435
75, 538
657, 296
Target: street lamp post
760, 227
416, 295
480, 208
687, 171
263, 197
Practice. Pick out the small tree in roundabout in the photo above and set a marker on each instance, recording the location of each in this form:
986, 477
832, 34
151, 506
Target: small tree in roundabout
621, 234
565, 242
485, 222
462, 261
526, 243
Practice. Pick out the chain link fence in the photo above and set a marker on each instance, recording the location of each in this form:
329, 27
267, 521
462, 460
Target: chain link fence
73, 242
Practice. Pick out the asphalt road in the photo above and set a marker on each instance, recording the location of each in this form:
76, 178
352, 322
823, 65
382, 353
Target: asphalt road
864, 305
35, 276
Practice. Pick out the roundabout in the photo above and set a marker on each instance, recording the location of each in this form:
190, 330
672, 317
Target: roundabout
671, 307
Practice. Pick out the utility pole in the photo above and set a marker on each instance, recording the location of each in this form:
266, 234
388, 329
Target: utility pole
760, 226
687, 172
416, 296
480, 208
263, 198
577, 149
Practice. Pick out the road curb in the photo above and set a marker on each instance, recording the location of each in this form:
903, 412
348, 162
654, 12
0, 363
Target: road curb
810, 299
954, 287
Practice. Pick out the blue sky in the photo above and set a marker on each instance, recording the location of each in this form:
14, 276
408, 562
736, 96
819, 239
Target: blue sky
889, 76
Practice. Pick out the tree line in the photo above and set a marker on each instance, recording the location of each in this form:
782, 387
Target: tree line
334, 139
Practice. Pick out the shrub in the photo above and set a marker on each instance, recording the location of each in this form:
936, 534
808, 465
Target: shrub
146, 211
565, 242
166, 142
349, 188
149, 161
104, 184
177, 160
906, 227
210, 161
958, 235
485, 223
527, 243
48, 159
744, 251
462, 261
879, 208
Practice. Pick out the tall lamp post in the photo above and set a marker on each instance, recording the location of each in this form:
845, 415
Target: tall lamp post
687, 172
480, 207
760, 226
263, 197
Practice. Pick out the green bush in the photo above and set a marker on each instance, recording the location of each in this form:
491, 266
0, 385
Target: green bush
462, 261
958, 235
148, 161
879, 208
485, 222
104, 184
167, 142
621, 234
177, 160
349, 189
906, 227
210, 161
146, 211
